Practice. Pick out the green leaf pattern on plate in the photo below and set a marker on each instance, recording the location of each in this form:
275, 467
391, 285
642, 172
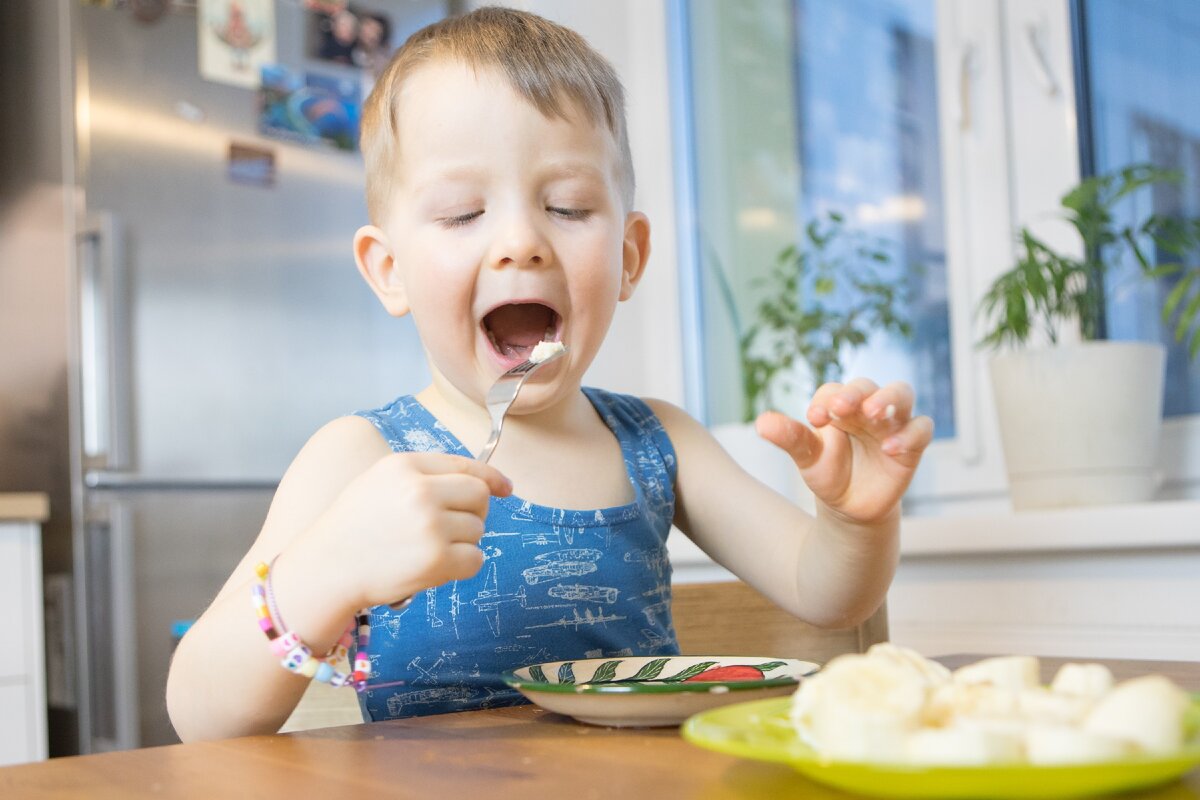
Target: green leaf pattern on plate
606, 671
650, 670
770, 665
690, 672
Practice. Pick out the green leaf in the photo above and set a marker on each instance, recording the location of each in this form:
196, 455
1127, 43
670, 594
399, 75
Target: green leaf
536, 674
566, 673
650, 670
605, 672
690, 672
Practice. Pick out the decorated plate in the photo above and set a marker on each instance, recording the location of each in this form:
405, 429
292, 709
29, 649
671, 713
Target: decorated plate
645, 691
762, 731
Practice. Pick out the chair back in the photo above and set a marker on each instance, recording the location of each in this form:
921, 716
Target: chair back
730, 618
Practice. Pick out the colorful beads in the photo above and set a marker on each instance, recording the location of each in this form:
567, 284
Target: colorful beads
295, 656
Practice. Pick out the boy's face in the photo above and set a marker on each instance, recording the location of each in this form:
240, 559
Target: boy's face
505, 228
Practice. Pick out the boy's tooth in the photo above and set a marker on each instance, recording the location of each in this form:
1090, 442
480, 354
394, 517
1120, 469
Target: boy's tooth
549, 334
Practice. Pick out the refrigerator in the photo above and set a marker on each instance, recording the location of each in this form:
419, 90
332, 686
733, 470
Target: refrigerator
170, 333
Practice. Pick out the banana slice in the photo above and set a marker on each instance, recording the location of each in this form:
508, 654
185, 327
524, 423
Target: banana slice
1082, 680
935, 674
1148, 711
859, 707
1044, 705
965, 744
952, 701
1062, 744
1003, 672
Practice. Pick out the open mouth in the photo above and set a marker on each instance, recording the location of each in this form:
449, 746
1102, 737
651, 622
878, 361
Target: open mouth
514, 329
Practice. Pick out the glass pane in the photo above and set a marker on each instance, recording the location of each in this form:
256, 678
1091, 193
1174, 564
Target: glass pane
803, 108
1141, 62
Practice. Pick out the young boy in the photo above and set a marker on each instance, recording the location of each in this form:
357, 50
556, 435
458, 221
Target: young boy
500, 188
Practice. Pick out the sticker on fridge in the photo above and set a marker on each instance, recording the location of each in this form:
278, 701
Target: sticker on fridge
236, 38
310, 108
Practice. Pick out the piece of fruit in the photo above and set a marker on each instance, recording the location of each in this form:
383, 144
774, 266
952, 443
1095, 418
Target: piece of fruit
964, 744
740, 672
1062, 744
1004, 672
1082, 680
860, 708
1148, 711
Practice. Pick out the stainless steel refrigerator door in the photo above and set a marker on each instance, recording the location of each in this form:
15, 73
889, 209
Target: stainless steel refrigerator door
157, 557
230, 325
249, 326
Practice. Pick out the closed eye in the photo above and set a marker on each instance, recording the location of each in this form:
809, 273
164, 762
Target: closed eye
570, 213
460, 220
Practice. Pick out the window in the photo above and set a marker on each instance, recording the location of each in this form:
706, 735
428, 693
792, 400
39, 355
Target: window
945, 127
801, 109
1140, 62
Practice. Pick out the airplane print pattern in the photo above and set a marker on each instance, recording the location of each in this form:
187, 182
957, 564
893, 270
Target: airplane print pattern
556, 584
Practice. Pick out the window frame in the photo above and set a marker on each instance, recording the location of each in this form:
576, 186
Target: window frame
1007, 75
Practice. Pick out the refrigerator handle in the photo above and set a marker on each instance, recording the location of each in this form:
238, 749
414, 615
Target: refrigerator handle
104, 343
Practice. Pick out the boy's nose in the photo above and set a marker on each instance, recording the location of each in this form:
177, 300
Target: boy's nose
520, 245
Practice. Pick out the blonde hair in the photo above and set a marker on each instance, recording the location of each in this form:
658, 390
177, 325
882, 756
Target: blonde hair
550, 66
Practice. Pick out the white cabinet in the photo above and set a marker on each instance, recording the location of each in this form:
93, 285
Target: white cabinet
22, 670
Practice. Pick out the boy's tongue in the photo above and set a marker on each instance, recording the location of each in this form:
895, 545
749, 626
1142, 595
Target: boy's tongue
518, 327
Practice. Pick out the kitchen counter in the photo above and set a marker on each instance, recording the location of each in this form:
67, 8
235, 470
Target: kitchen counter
24, 507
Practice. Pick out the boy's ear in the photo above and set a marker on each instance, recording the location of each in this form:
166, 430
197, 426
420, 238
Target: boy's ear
635, 252
373, 254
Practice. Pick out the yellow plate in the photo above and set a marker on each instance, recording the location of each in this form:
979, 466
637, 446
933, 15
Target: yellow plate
762, 731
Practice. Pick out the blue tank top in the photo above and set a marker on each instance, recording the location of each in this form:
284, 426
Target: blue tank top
556, 584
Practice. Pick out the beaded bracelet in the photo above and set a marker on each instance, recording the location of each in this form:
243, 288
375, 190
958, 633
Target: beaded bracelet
295, 655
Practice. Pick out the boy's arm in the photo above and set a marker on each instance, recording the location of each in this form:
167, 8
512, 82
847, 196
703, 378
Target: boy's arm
223, 680
353, 525
832, 570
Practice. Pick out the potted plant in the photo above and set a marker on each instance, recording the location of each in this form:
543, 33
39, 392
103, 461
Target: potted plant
1080, 420
819, 301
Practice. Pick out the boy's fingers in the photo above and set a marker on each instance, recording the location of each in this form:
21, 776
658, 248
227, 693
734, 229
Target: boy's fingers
463, 527
892, 403
463, 560
818, 409
462, 492
792, 436
444, 463
907, 444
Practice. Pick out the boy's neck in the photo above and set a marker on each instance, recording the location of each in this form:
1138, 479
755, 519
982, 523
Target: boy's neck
470, 421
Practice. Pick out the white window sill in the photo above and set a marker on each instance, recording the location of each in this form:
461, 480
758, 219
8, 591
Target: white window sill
1141, 526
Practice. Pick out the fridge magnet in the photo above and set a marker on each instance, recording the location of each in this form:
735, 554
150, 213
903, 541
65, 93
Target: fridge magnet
310, 109
236, 38
351, 35
251, 165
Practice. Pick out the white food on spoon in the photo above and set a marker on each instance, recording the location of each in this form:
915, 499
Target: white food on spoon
544, 349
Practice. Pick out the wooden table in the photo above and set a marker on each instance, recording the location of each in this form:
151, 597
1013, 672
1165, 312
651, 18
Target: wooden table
479, 755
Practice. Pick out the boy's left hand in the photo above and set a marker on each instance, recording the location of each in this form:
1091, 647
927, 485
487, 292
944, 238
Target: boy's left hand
859, 457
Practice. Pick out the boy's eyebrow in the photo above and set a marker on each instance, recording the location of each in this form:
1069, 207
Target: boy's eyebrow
475, 172
573, 169
454, 172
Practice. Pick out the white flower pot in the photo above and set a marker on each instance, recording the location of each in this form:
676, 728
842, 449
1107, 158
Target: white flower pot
766, 462
1080, 423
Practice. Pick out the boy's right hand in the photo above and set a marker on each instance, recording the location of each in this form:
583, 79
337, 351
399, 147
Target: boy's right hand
409, 522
